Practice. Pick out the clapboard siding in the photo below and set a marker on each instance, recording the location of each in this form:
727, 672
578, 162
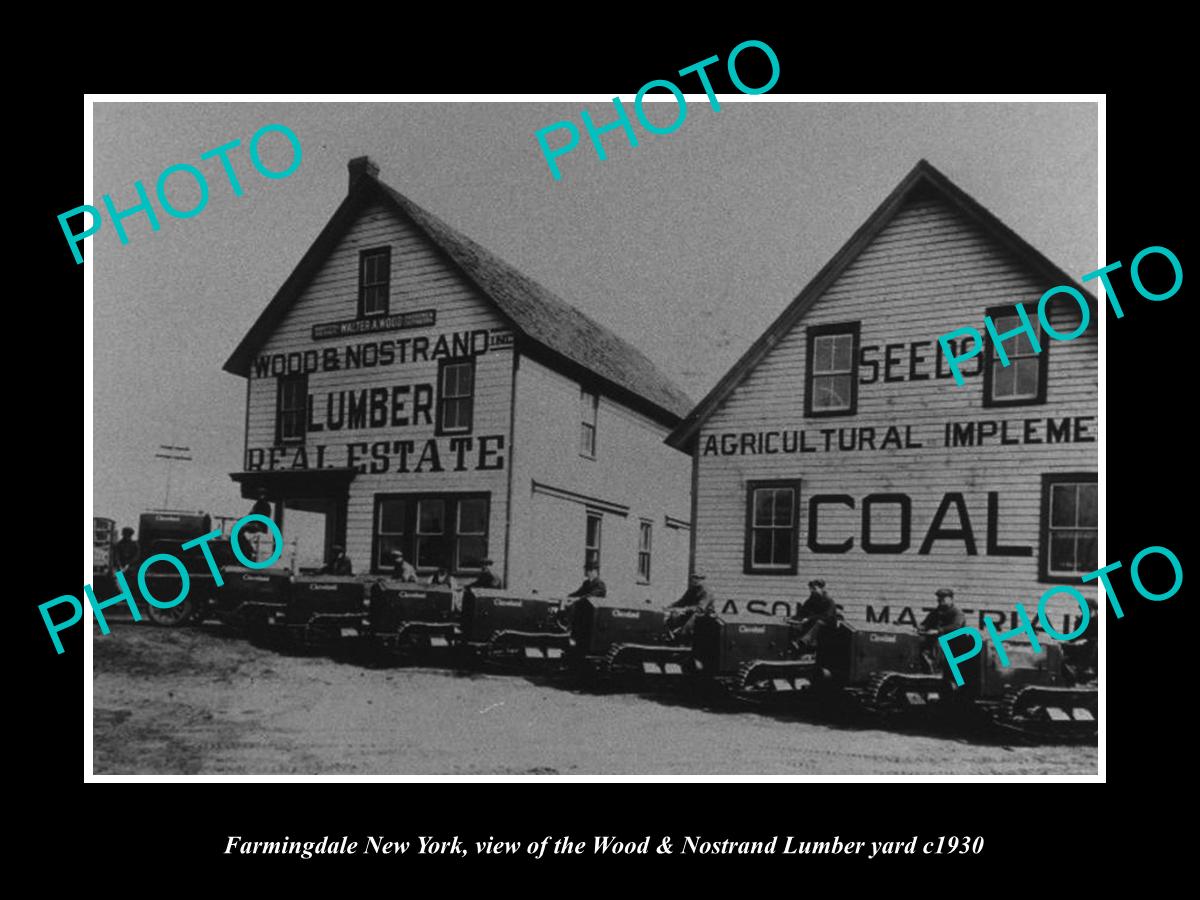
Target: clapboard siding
928, 272
632, 469
421, 279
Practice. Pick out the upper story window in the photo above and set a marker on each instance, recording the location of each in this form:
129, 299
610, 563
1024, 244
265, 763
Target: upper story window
374, 281
1023, 380
1069, 526
831, 378
591, 541
589, 405
456, 396
291, 405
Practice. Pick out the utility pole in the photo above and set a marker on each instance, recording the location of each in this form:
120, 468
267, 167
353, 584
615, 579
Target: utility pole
173, 454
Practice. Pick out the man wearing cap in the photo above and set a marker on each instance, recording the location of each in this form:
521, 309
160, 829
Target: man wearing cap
487, 578
340, 564
818, 613
946, 617
592, 587
125, 551
681, 615
402, 570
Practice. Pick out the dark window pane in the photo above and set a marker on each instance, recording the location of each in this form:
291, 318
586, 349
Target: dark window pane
465, 379
761, 555
593, 531
432, 516
823, 354
763, 507
391, 516
783, 507
782, 546
1003, 380
433, 551
470, 551
839, 389
472, 517
1062, 551
1062, 505
591, 558
1087, 556
1087, 505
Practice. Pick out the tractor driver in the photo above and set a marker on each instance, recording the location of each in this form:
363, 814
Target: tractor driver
818, 614
696, 600
942, 620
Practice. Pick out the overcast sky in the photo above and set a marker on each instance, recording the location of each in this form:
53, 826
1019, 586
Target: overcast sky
687, 246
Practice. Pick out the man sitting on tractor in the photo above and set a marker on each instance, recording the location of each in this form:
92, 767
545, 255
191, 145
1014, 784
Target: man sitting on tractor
818, 614
945, 618
681, 615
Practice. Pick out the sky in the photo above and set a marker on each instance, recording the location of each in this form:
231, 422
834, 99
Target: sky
687, 246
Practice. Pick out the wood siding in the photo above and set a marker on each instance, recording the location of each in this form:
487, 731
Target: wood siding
928, 272
634, 477
420, 279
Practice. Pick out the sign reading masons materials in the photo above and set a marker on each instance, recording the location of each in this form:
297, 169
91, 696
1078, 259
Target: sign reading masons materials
424, 318
403, 405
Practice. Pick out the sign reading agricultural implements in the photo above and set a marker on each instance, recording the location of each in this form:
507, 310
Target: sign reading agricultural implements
422, 318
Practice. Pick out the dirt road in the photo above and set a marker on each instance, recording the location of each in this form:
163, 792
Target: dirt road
202, 700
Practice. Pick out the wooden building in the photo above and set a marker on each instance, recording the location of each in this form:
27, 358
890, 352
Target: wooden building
427, 397
839, 446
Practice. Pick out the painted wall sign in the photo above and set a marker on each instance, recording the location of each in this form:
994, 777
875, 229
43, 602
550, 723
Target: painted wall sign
501, 338
973, 433
886, 614
397, 351
455, 454
423, 318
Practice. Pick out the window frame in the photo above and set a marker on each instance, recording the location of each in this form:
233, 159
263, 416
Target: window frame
363, 256
440, 425
748, 565
280, 438
588, 548
854, 329
646, 552
594, 408
989, 359
1045, 529
411, 520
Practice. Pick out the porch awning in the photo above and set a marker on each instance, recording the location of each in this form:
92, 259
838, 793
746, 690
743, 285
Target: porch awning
285, 484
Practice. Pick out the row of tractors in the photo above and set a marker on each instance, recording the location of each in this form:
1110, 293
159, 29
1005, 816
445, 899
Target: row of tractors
875, 670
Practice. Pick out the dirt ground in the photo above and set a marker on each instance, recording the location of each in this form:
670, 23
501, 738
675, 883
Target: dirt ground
203, 700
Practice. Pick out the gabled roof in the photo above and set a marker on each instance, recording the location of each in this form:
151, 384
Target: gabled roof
568, 338
923, 179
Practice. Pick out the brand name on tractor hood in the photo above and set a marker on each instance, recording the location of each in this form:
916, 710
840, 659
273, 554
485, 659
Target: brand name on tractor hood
256, 578
625, 614
322, 587
752, 629
883, 639
508, 603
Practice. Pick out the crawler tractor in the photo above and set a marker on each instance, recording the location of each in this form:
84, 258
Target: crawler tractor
413, 620
755, 658
255, 599
625, 642
510, 629
324, 609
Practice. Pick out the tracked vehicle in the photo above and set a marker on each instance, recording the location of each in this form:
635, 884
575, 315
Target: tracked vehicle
255, 599
625, 643
325, 609
513, 630
413, 620
755, 658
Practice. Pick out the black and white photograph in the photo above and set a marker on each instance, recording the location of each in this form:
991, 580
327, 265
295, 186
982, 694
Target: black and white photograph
739, 435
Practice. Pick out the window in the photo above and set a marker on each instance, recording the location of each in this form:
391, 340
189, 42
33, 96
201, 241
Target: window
389, 531
591, 541
831, 383
643, 557
1023, 380
432, 530
589, 404
374, 281
456, 396
1069, 527
291, 406
771, 534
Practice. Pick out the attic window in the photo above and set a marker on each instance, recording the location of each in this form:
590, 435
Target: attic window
374, 281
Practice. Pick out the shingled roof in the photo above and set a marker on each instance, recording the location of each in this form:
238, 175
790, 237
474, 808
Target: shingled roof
540, 316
